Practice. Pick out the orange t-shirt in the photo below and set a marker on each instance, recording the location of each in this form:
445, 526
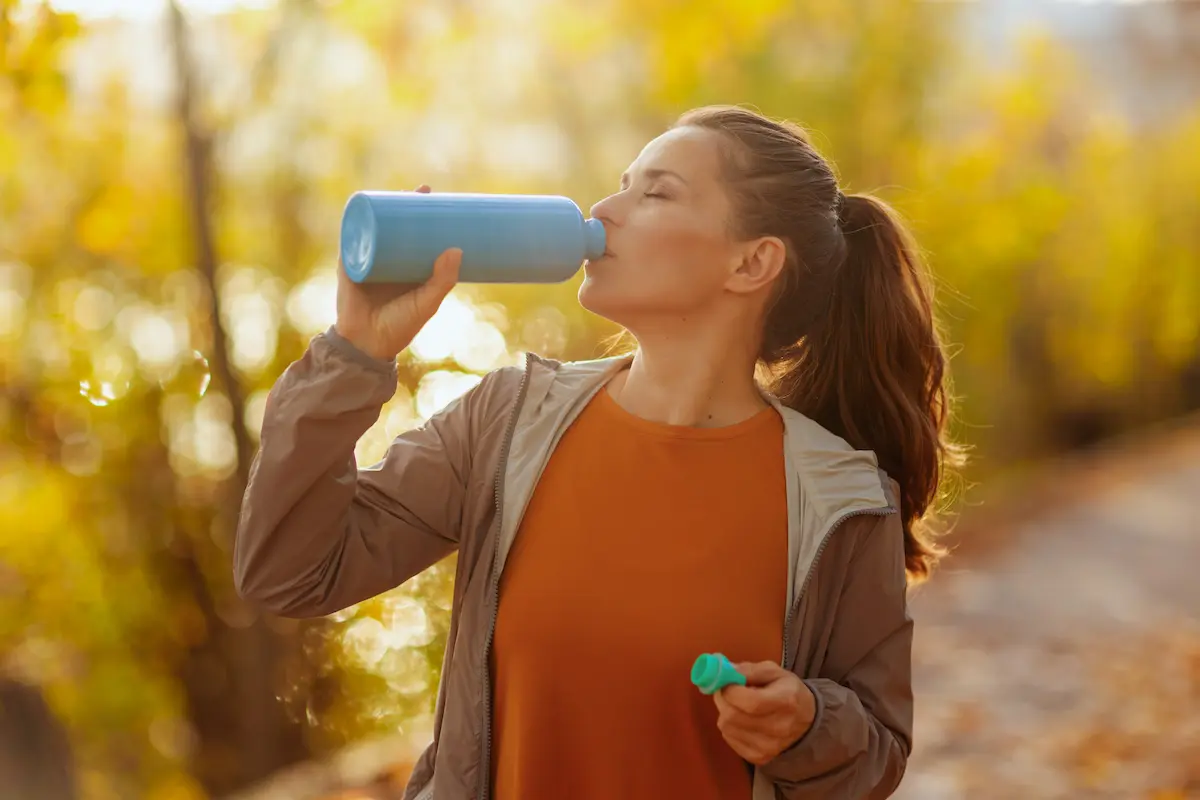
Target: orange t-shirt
643, 546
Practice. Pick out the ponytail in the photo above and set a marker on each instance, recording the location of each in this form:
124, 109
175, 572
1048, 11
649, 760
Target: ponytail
872, 369
849, 337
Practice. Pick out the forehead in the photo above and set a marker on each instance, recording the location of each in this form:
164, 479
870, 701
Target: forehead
692, 152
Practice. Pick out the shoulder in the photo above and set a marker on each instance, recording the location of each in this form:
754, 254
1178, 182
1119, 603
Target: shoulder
489, 402
555, 388
500, 385
835, 479
540, 382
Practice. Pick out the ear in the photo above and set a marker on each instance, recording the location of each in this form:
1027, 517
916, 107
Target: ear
761, 262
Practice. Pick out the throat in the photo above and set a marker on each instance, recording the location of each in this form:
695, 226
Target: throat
716, 405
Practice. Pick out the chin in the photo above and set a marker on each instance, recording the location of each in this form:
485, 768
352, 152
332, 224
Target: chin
627, 298
604, 296
589, 293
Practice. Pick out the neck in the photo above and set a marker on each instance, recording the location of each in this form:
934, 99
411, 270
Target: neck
700, 379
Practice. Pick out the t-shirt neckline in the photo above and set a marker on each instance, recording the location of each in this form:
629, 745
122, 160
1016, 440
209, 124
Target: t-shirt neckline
614, 410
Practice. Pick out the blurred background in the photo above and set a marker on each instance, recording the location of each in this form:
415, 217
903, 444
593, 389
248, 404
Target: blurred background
172, 176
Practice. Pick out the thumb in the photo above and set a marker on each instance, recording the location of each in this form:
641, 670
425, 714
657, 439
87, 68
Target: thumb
760, 673
432, 292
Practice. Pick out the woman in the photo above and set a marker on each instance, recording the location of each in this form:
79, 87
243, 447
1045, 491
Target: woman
614, 519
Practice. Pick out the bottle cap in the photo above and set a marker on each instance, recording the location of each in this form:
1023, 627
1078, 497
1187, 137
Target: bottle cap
713, 671
358, 237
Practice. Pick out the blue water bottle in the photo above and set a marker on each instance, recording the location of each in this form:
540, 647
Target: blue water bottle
505, 238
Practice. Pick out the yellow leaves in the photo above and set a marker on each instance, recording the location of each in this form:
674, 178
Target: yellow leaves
9, 144
21, 493
30, 56
1168, 794
1178, 327
581, 30
176, 786
689, 44
107, 223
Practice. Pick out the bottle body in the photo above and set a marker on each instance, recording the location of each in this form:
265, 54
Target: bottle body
394, 237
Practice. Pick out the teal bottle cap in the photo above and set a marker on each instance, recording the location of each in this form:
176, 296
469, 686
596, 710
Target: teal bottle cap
713, 671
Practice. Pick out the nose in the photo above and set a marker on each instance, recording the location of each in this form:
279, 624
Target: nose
604, 210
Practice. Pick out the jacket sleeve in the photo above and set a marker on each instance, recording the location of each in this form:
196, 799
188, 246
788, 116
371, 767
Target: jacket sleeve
316, 534
860, 738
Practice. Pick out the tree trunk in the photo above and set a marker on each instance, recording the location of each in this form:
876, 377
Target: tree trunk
35, 752
232, 677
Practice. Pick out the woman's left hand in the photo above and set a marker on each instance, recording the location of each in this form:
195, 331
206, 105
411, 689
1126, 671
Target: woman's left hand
766, 716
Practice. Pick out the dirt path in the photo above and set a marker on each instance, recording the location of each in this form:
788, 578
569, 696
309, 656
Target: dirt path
1059, 655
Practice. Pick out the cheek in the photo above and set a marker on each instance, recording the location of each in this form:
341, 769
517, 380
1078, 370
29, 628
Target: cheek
668, 261
680, 235
678, 249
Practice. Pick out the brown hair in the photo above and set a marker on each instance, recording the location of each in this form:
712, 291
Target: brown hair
850, 337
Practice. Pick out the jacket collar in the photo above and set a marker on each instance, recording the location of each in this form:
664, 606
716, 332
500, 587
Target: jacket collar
827, 479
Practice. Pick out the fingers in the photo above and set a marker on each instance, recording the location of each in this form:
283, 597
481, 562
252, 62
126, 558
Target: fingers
429, 295
762, 731
762, 693
724, 709
760, 673
748, 736
750, 702
752, 748
729, 717
445, 270
424, 188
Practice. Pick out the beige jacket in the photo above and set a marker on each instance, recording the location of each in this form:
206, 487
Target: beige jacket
316, 534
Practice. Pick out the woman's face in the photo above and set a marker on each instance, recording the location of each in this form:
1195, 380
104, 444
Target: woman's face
670, 252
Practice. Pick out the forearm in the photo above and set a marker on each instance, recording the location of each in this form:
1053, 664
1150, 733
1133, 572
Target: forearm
313, 537
847, 751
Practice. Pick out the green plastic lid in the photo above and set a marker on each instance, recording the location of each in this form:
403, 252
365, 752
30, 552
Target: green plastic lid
713, 671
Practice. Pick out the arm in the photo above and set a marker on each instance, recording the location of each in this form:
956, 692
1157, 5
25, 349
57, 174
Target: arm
859, 741
315, 533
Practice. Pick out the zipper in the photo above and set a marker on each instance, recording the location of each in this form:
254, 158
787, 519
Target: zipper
486, 734
485, 767
812, 568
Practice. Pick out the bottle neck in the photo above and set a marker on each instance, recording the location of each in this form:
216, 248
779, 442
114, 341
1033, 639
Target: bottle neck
594, 238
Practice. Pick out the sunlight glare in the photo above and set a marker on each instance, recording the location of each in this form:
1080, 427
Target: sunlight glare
312, 305
153, 334
447, 330
93, 308
150, 9
256, 410
439, 388
405, 622
12, 312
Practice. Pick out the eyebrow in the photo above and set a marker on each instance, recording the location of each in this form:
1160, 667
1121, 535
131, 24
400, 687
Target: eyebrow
651, 174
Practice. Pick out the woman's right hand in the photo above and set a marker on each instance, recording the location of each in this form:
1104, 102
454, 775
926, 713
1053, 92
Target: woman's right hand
382, 319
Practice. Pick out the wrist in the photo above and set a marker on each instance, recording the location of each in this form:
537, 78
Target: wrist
364, 344
806, 713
